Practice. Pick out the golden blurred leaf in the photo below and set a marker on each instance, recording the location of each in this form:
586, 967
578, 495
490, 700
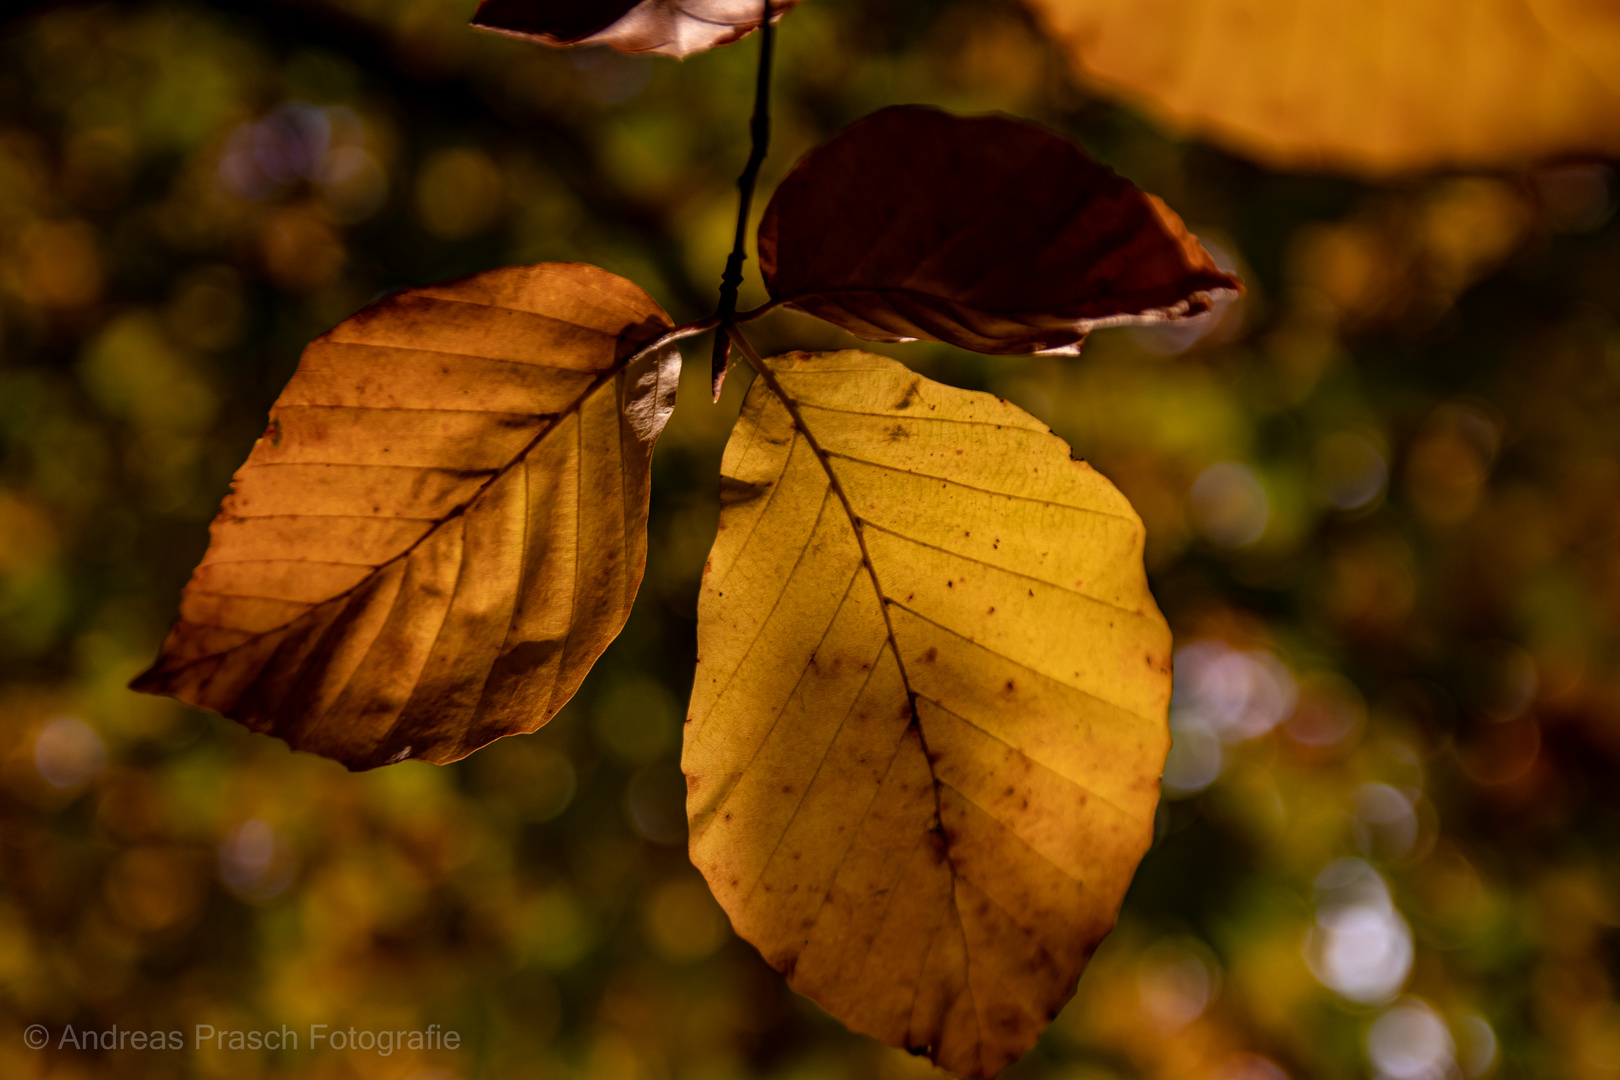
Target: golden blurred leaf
676, 28
928, 719
444, 524
1405, 259
987, 232
1372, 89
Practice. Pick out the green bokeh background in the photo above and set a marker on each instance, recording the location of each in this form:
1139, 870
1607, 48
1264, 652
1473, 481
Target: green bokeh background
1388, 481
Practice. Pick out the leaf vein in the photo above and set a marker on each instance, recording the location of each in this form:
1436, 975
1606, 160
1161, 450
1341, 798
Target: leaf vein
1007, 425
1021, 752
1011, 660
1002, 569
825, 753
743, 659
972, 487
461, 508
280, 407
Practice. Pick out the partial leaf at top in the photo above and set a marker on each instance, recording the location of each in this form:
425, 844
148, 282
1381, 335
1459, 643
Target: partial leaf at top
672, 27
929, 715
1374, 89
987, 232
444, 524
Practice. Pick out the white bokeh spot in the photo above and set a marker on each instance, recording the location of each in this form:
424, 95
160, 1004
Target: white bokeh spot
1360, 947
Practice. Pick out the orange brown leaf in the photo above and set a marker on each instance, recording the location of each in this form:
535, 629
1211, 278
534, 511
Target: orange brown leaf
987, 232
1366, 88
443, 525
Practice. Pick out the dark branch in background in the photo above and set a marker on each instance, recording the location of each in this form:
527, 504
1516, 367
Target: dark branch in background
760, 129
287, 25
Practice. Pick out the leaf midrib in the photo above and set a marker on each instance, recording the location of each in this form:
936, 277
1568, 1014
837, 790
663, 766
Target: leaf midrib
855, 522
824, 456
603, 378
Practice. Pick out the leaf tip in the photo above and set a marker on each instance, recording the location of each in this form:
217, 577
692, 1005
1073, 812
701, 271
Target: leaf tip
146, 682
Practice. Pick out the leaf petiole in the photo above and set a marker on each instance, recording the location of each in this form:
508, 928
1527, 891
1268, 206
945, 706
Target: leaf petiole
754, 313
732, 333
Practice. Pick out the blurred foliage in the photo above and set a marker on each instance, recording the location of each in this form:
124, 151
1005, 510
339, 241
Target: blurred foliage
1382, 494
1320, 84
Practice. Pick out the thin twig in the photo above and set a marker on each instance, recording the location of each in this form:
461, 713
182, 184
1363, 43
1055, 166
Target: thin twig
759, 128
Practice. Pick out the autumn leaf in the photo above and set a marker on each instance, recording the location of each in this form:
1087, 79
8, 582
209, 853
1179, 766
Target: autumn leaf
1372, 89
987, 232
443, 525
929, 714
672, 27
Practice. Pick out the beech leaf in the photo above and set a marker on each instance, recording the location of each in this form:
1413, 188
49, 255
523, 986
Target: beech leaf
987, 232
671, 27
1374, 89
444, 524
929, 715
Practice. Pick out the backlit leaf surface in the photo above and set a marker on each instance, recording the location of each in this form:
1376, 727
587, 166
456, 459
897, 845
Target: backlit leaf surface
928, 720
1370, 88
987, 232
671, 27
443, 526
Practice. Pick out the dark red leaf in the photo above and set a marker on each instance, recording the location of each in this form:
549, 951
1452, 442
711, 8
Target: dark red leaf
987, 232
558, 22
671, 27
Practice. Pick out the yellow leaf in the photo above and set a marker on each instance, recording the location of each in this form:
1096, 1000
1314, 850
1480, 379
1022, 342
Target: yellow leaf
928, 720
444, 524
1370, 88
